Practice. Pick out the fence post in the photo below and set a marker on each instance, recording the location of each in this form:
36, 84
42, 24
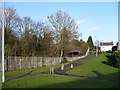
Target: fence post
20, 63
62, 66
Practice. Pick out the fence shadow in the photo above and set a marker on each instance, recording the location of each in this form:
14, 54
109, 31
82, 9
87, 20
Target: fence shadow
113, 76
85, 83
80, 83
20, 76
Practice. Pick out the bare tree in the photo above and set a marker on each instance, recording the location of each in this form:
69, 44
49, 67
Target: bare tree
0, 35
10, 25
0, 16
26, 34
64, 26
11, 19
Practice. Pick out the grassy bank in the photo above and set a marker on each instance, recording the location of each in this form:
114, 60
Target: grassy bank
96, 67
33, 71
57, 81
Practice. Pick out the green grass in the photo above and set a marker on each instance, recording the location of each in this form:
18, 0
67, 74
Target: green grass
96, 67
56, 81
16, 73
33, 71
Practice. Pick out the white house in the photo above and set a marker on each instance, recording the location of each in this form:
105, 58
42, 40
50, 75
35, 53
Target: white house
106, 46
118, 46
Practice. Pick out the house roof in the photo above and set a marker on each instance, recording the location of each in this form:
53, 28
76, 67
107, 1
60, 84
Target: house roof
107, 43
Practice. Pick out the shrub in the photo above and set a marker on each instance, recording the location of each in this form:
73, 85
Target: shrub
64, 60
83, 49
115, 57
114, 48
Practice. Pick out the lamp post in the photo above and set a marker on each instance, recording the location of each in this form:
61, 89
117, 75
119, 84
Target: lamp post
3, 75
97, 44
96, 50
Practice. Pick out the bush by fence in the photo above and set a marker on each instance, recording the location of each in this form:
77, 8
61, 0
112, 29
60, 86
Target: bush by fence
117, 57
114, 58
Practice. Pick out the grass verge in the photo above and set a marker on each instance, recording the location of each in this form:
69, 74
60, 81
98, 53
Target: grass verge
33, 71
96, 67
57, 81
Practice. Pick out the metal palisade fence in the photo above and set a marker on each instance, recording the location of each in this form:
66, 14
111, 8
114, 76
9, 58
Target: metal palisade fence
13, 63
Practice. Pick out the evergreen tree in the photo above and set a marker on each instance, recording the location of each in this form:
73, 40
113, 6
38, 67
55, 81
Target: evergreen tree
90, 43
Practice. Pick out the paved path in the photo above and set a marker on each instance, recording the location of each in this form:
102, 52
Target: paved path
75, 64
67, 68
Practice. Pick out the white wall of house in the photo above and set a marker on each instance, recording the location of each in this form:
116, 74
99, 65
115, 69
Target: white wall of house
106, 48
119, 45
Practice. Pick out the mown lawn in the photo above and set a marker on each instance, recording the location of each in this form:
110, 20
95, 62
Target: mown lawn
57, 81
33, 71
30, 71
96, 67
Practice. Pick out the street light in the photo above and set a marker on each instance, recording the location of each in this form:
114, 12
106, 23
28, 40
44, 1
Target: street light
96, 49
97, 44
3, 75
